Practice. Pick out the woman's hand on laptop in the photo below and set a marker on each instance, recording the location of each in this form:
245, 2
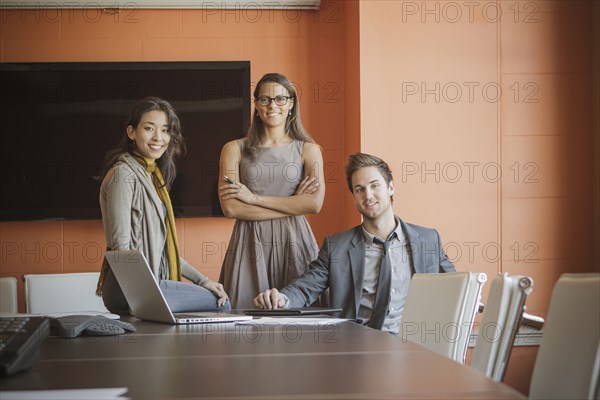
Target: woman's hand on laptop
270, 299
218, 290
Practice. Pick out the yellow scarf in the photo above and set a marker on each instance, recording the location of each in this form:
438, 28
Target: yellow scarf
163, 194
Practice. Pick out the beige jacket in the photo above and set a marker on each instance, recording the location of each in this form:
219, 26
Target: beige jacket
134, 217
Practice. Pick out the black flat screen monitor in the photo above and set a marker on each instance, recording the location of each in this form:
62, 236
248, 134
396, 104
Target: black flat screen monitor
60, 119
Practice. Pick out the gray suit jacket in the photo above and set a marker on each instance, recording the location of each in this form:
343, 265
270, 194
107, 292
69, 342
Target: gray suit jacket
341, 262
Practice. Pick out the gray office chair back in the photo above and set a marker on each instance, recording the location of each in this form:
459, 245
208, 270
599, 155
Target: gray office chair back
440, 309
8, 294
500, 323
567, 365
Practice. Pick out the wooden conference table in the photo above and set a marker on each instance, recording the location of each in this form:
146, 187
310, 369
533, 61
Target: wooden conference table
341, 361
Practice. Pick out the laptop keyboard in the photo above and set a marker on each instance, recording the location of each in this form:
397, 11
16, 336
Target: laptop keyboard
20, 341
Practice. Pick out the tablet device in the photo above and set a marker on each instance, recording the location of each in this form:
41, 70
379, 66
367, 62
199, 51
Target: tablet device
291, 311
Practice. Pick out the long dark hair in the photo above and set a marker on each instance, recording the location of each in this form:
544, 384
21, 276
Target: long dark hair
176, 147
293, 124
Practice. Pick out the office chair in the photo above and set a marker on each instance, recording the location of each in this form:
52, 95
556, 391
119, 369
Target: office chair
57, 293
500, 323
440, 309
567, 365
8, 295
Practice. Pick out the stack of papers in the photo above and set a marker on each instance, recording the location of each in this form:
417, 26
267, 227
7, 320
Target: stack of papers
71, 394
292, 321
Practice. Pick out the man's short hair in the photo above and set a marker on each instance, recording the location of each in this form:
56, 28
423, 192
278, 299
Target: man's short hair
362, 160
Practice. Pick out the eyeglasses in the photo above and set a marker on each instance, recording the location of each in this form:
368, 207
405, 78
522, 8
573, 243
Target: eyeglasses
279, 100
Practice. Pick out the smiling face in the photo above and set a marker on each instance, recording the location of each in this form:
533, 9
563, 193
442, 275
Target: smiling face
372, 195
273, 115
151, 136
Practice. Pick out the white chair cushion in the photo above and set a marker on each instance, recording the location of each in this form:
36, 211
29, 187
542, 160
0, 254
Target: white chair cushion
56, 293
440, 309
8, 295
567, 365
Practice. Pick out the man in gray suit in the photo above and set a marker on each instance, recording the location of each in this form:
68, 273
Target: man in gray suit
367, 268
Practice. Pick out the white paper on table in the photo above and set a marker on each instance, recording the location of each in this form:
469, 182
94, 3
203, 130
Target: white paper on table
62, 314
67, 394
291, 321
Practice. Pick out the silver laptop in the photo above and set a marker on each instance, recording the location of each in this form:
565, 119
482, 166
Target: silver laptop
145, 297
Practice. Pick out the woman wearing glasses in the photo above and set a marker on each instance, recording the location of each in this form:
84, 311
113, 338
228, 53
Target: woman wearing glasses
268, 181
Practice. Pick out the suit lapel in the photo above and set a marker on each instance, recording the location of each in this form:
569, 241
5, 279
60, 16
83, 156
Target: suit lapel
415, 247
356, 260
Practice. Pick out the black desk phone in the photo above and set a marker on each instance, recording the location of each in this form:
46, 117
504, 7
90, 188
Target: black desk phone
74, 325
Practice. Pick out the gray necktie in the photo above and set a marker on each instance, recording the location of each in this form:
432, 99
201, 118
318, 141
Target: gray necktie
384, 283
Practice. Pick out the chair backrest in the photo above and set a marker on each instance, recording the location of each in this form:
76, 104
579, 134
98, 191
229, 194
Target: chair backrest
8, 294
440, 309
56, 293
567, 365
500, 323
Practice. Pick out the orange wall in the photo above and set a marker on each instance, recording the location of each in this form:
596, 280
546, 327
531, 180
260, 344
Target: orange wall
450, 94
352, 97
484, 112
308, 46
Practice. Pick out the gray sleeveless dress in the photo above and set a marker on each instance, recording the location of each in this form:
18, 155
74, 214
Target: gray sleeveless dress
272, 253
